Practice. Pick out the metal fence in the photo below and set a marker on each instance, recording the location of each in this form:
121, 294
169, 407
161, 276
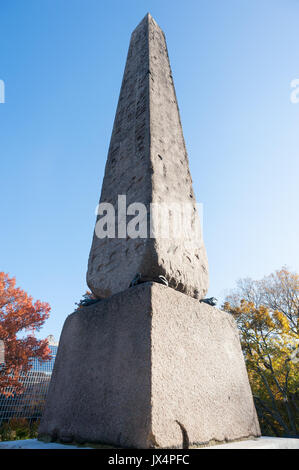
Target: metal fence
30, 404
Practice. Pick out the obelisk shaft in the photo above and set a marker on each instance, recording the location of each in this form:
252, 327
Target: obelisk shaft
148, 163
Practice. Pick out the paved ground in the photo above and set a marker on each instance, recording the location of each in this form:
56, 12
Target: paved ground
261, 443
35, 444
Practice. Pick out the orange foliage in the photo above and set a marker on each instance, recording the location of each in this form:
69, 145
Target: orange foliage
19, 314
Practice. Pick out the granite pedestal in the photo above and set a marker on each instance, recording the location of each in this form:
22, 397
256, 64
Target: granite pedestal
149, 367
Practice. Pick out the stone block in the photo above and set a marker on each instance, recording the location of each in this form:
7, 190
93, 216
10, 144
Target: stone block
149, 367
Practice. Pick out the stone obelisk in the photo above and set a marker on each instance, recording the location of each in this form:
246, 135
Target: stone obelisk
149, 365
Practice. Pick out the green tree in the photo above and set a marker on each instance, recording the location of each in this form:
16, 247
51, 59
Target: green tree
266, 312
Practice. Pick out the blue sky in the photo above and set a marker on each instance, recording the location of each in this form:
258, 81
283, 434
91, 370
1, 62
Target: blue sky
62, 63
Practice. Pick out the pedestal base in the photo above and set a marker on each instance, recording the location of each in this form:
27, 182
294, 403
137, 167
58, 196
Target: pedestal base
149, 367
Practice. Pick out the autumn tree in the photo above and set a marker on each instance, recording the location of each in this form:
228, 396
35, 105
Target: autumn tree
266, 312
20, 318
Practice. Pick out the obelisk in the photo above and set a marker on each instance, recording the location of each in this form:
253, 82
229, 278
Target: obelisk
148, 365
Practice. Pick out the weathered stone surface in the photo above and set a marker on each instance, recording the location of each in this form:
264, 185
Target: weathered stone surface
136, 369
148, 162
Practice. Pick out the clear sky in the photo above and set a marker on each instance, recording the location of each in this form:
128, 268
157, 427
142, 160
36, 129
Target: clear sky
62, 63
